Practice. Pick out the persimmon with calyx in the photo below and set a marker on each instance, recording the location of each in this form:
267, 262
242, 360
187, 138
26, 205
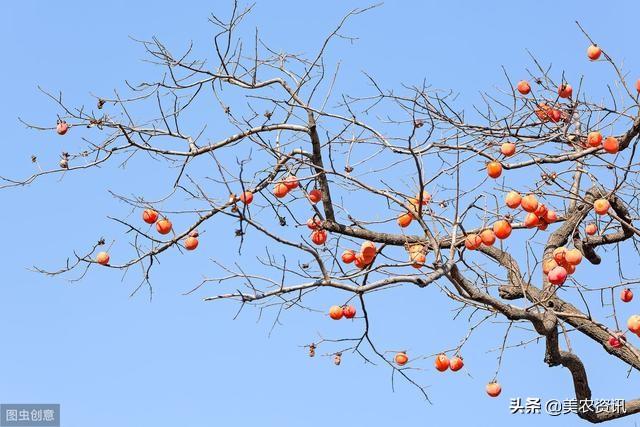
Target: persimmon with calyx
336, 312
594, 139
149, 216
359, 261
349, 311
513, 199
508, 149
626, 295
280, 190
638, 85
404, 220
401, 358
291, 182
348, 256
456, 363
246, 197
442, 362
542, 224
314, 223
633, 323
554, 115
594, 52
591, 229
190, 243
601, 206
103, 258
557, 276
529, 203
472, 242
493, 389
319, 237
62, 127
565, 90
502, 229
611, 145
523, 87
164, 226
315, 196
494, 169
488, 237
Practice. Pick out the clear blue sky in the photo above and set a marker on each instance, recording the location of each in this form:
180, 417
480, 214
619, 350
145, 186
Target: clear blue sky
110, 360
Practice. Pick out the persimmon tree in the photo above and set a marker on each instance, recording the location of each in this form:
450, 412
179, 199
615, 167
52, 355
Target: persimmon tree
554, 174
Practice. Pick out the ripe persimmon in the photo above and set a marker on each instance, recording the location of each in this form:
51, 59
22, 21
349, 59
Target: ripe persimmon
594, 139
529, 203
616, 341
164, 226
524, 87
611, 145
493, 389
404, 220
280, 190
336, 312
557, 276
149, 216
291, 182
502, 229
633, 323
559, 254
442, 362
513, 199
549, 265
494, 169
626, 295
531, 220
401, 358
456, 363
103, 258
315, 196
565, 90
246, 197
314, 223
348, 256
508, 149
573, 256
601, 206
488, 237
591, 229
418, 260
190, 243
62, 127
594, 52
368, 250
349, 312
472, 242
551, 216
319, 237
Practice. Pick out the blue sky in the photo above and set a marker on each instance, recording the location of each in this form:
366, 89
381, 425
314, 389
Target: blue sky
111, 360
